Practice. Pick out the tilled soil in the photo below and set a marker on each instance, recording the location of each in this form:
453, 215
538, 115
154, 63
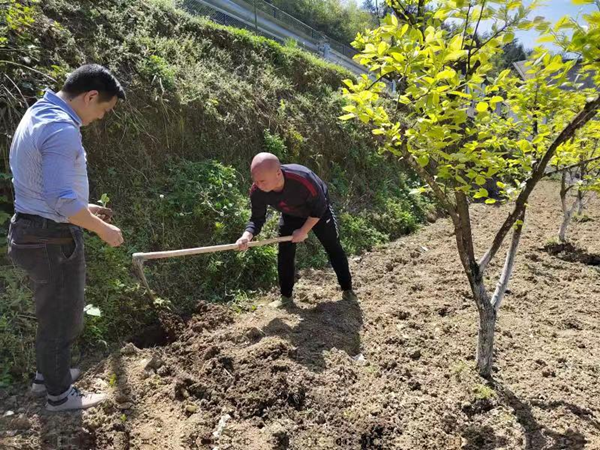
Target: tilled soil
394, 370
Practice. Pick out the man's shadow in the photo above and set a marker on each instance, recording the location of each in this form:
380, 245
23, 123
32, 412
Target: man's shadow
67, 431
538, 436
328, 325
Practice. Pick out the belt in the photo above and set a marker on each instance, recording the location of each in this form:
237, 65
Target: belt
46, 224
44, 221
43, 240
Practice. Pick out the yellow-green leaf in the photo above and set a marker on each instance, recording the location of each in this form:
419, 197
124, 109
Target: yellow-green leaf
548, 38
453, 56
460, 94
348, 83
481, 193
403, 31
482, 107
398, 56
445, 74
348, 116
423, 160
508, 37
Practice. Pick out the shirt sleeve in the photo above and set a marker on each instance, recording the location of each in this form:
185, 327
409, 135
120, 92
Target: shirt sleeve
60, 147
259, 214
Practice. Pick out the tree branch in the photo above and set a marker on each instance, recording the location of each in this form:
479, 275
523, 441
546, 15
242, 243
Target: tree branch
572, 166
588, 112
405, 14
464, 36
375, 82
435, 187
464, 229
509, 263
28, 68
474, 37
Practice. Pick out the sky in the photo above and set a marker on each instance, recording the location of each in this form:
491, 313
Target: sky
552, 11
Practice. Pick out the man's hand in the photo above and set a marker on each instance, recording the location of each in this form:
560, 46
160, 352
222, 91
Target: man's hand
299, 236
104, 214
111, 235
243, 242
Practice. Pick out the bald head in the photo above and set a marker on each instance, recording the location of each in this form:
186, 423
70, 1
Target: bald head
265, 162
266, 172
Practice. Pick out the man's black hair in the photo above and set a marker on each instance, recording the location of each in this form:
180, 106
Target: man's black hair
93, 77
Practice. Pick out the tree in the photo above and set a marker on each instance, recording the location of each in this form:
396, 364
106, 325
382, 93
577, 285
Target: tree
336, 19
372, 6
465, 127
578, 164
377, 8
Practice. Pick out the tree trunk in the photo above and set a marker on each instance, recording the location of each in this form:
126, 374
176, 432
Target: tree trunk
567, 212
580, 204
580, 192
562, 232
509, 263
485, 336
487, 313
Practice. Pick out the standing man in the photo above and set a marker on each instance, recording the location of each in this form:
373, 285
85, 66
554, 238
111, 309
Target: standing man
303, 200
50, 179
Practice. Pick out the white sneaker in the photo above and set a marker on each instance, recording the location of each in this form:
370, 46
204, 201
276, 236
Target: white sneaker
74, 400
38, 388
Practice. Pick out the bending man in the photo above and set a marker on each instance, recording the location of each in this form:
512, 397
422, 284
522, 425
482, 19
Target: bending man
303, 200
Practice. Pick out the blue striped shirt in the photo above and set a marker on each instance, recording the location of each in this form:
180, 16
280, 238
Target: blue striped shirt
48, 161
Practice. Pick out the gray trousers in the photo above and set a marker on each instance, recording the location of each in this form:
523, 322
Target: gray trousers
52, 254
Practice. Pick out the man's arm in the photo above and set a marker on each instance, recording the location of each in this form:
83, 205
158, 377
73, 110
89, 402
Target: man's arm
301, 234
255, 224
107, 232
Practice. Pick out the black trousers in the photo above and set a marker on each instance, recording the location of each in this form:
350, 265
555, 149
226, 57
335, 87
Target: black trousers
52, 254
327, 232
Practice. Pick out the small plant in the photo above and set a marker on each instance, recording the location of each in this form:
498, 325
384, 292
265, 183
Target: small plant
92, 310
582, 218
483, 392
291, 43
358, 234
104, 200
458, 368
159, 71
275, 144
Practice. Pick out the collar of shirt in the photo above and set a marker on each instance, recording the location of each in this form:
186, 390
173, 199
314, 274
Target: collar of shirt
51, 97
